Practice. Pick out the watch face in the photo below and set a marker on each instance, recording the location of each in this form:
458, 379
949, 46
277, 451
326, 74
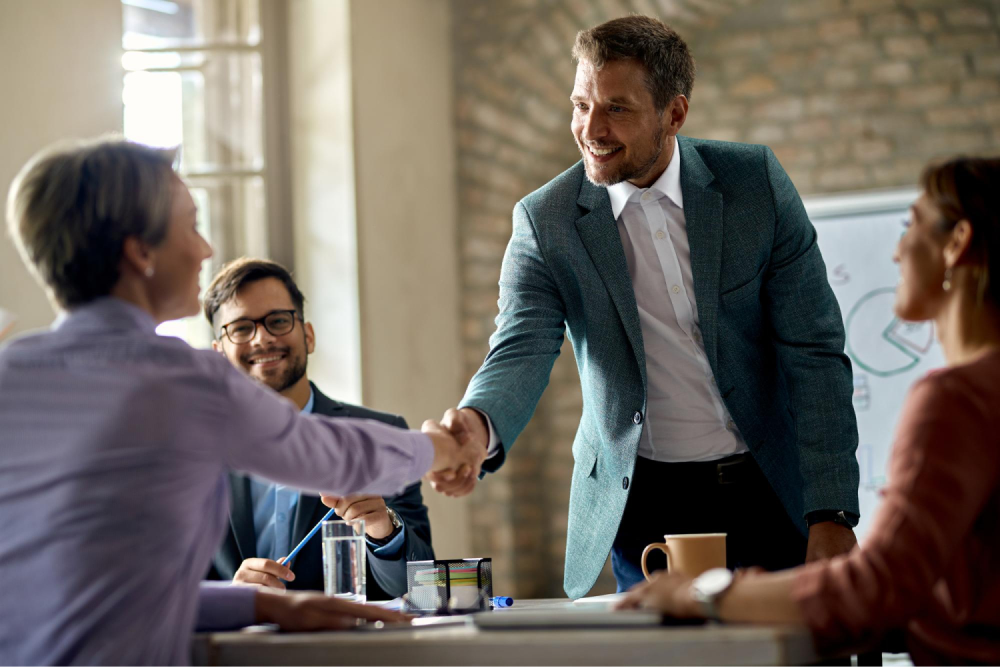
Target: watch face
713, 582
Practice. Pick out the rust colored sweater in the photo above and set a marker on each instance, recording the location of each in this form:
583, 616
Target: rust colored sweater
931, 562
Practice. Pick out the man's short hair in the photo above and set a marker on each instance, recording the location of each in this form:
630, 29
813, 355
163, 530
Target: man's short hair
669, 65
72, 206
239, 273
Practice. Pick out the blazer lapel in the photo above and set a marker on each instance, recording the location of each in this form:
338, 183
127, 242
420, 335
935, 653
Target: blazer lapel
305, 516
241, 515
324, 405
600, 237
308, 509
703, 214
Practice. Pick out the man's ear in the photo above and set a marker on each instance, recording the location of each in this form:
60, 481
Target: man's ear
310, 337
959, 242
217, 346
675, 114
137, 256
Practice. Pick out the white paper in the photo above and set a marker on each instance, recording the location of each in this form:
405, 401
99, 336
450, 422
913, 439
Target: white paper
608, 599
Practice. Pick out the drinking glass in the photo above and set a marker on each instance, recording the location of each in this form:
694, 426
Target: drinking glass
344, 559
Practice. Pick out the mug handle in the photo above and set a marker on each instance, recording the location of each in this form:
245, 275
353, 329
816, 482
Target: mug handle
662, 546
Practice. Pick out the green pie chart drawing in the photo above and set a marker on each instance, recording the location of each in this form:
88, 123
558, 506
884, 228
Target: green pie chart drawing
881, 343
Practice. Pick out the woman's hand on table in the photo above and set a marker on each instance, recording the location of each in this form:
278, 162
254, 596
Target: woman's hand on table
667, 592
306, 612
670, 593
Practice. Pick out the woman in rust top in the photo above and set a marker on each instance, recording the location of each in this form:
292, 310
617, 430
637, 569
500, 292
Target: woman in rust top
931, 564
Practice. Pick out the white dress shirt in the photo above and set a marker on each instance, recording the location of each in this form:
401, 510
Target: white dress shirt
686, 419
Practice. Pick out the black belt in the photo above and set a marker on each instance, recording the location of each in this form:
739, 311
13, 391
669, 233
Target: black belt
729, 470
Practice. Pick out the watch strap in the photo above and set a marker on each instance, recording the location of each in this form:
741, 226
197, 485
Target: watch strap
397, 525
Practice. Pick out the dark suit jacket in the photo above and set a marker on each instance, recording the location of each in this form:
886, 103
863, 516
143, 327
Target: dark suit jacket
386, 577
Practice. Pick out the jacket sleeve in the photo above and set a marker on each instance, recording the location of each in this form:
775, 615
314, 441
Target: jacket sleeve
808, 334
530, 330
944, 469
390, 573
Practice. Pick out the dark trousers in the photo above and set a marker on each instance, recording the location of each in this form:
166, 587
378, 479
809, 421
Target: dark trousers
729, 496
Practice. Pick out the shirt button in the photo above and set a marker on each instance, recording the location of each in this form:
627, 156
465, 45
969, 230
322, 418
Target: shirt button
675, 289
696, 336
660, 234
646, 196
281, 516
637, 417
625, 483
731, 425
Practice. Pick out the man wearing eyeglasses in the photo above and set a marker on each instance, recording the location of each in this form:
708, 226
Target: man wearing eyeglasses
256, 312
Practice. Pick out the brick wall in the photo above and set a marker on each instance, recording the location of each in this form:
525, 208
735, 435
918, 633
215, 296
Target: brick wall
850, 94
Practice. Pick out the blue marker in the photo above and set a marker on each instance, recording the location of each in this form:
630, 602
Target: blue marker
500, 602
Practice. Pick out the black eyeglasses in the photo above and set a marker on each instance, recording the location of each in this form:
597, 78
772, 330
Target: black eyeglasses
277, 323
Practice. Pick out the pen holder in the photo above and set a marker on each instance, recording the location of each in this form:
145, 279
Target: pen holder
454, 586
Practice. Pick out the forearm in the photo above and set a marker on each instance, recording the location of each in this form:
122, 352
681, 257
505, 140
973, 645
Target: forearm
268, 437
763, 598
222, 606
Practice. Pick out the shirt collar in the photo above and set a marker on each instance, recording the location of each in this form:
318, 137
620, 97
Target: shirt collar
669, 184
310, 404
106, 314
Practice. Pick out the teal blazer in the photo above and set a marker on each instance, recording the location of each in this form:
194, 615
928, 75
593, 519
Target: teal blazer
771, 327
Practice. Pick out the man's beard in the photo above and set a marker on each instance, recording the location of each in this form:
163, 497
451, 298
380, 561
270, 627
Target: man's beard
279, 383
626, 172
288, 379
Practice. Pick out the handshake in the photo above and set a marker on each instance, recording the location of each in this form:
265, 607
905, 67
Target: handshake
461, 440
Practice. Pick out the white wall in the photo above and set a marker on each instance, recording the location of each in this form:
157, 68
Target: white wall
376, 177
322, 166
61, 78
407, 223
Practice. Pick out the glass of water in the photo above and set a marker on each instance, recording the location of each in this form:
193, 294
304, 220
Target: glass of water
344, 559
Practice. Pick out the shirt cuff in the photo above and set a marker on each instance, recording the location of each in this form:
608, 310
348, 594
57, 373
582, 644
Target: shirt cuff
423, 457
222, 606
390, 549
495, 444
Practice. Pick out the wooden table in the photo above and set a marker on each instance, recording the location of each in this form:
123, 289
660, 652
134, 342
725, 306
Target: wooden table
711, 644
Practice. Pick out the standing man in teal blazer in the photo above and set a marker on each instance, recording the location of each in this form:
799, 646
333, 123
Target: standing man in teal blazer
717, 395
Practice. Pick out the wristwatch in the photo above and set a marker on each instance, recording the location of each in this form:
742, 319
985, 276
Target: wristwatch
708, 588
397, 525
846, 519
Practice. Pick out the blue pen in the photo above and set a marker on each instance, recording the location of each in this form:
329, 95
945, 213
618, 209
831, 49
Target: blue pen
288, 559
499, 602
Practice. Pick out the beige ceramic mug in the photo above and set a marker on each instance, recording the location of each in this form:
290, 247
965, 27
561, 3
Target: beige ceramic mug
690, 554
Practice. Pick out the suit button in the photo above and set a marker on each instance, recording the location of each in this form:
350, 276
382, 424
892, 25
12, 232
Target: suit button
625, 483
637, 417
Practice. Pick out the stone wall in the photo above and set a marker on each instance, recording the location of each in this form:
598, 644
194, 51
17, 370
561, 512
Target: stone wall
850, 94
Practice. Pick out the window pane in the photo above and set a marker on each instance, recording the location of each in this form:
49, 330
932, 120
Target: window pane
151, 24
234, 213
214, 109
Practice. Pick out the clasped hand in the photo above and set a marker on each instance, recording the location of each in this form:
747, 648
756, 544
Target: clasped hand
460, 442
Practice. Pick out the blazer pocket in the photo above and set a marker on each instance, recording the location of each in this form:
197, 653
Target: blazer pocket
585, 458
745, 290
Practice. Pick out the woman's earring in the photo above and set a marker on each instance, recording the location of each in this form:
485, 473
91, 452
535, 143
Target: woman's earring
946, 285
150, 271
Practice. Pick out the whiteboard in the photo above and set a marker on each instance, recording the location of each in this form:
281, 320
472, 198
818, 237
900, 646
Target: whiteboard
857, 235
